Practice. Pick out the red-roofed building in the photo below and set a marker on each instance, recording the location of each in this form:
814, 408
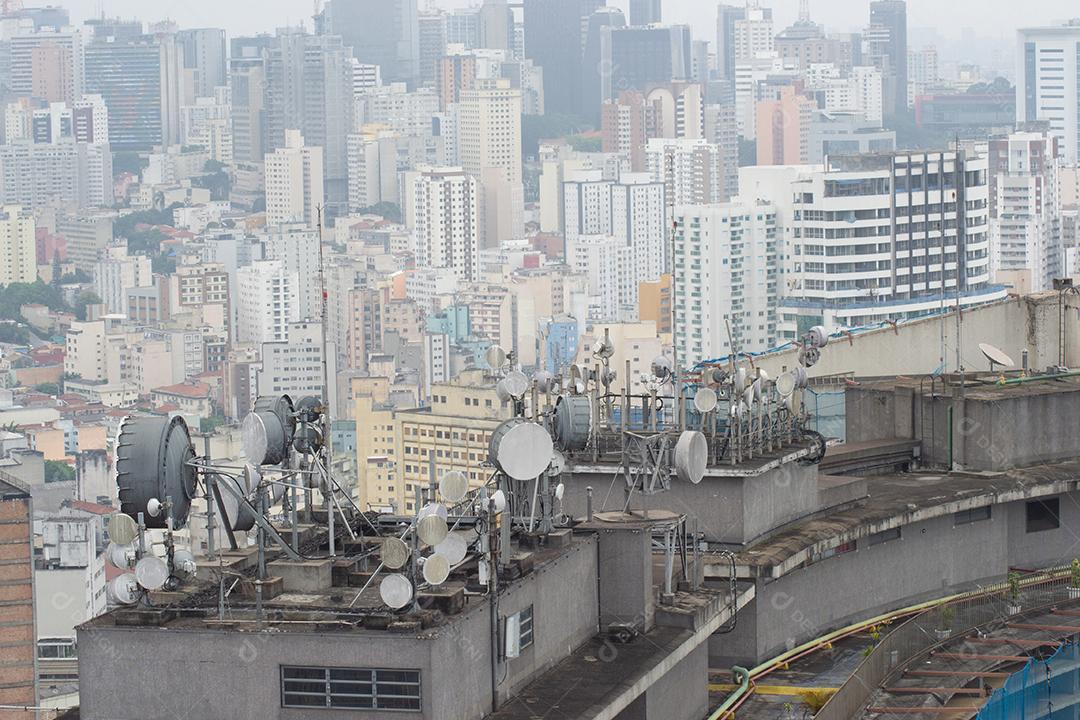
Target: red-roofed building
193, 400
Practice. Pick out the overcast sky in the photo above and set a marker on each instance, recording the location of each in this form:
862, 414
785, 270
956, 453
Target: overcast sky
990, 18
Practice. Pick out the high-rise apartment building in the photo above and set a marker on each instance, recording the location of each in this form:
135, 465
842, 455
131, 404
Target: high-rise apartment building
783, 128
752, 34
431, 35
726, 279
48, 63
69, 174
1048, 80
873, 237
294, 182
267, 301
726, 17
18, 684
645, 12
247, 75
17, 246
622, 127
444, 216
692, 170
1025, 210
294, 366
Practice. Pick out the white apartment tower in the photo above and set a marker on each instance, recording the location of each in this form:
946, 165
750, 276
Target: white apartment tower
445, 220
1047, 79
727, 279
294, 182
18, 248
294, 364
753, 33
1025, 210
267, 301
878, 237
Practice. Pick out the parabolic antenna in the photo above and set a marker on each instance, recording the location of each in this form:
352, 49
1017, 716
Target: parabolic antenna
184, 564
801, 378
713, 377
433, 509
122, 529
573, 422
152, 456
785, 384
262, 438
544, 381
395, 553
514, 385
453, 548
995, 356
520, 449
151, 572
453, 486
495, 356
705, 400
431, 529
120, 556
436, 569
396, 591
661, 368
557, 465
691, 456
240, 518
739, 379
123, 589
817, 336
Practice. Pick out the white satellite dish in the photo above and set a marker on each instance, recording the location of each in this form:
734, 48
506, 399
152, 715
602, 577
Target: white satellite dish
789, 402
495, 356
151, 572
433, 509
184, 564
122, 529
436, 569
756, 388
739, 379
713, 377
394, 553
691, 456
763, 376
544, 381
431, 529
801, 378
817, 336
396, 591
705, 400
661, 368
499, 498
514, 385
153, 507
120, 556
453, 486
558, 463
454, 548
995, 356
560, 490
123, 589
785, 384
521, 449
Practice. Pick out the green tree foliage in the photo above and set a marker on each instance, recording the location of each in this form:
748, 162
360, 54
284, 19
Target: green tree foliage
48, 388
14, 333
15, 295
82, 300
56, 471
535, 128
388, 210
585, 143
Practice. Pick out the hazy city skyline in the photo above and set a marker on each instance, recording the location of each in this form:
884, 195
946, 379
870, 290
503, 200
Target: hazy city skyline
948, 18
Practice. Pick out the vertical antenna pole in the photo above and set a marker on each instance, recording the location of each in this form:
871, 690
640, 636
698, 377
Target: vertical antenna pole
210, 527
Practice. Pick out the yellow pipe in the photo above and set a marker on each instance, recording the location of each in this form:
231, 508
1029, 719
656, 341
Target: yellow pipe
863, 624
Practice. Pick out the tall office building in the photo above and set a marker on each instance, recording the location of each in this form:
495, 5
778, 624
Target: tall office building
1047, 80
247, 76
892, 15
294, 366
431, 36
294, 189
555, 40
726, 17
727, 278
17, 246
463, 27
1025, 210
204, 54
140, 81
380, 32
596, 83
48, 63
645, 12
444, 216
496, 26
309, 87
642, 57
266, 302
874, 237
783, 128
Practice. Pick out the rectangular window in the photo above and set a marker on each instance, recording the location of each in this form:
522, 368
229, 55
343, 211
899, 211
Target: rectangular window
526, 628
884, 536
1043, 515
966, 517
350, 688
